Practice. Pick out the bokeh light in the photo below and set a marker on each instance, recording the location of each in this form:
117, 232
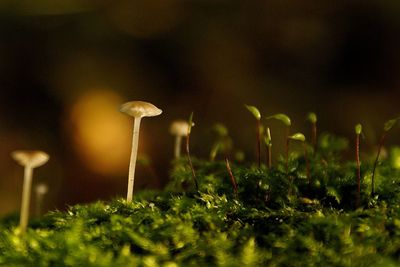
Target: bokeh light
101, 135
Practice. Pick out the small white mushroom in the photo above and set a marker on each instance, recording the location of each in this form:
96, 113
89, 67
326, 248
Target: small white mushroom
29, 160
179, 129
137, 110
40, 190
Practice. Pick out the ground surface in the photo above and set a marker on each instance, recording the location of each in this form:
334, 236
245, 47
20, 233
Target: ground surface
278, 218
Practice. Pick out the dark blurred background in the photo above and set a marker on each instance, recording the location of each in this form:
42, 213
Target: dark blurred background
67, 65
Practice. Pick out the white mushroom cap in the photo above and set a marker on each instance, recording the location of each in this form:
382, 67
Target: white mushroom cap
31, 158
41, 188
179, 128
140, 109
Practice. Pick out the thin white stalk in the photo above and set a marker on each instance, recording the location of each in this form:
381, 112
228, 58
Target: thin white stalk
132, 164
26, 194
178, 142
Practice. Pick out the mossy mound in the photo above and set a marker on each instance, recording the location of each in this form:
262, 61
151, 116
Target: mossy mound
277, 218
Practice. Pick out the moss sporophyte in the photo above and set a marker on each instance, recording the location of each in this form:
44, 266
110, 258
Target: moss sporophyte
268, 144
222, 144
388, 125
358, 130
286, 121
312, 118
232, 177
257, 115
238, 215
301, 138
189, 130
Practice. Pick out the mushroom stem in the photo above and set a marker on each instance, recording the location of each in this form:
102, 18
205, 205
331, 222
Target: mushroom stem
177, 150
132, 164
39, 204
26, 194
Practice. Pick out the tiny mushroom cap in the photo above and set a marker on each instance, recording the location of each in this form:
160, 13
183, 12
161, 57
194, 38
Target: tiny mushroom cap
30, 158
41, 188
179, 128
140, 109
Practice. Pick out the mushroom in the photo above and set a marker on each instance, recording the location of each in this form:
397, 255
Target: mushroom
29, 160
179, 129
137, 110
40, 190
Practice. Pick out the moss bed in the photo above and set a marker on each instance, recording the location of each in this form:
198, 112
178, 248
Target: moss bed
276, 219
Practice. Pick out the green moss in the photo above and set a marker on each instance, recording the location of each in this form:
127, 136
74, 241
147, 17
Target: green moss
277, 219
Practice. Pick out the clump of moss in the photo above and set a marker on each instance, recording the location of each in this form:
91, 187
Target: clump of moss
277, 218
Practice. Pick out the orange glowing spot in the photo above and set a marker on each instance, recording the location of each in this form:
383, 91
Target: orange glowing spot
101, 135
